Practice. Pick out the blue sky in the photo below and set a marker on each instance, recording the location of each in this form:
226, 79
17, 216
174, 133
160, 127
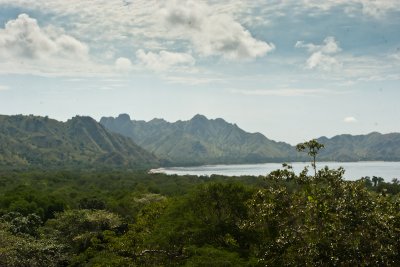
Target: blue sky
292, 70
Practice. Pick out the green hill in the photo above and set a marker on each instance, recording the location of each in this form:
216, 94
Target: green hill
204, 141
33, 141
81, 142
200, 141
373, 146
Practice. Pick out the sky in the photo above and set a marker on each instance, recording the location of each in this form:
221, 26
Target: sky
291, 69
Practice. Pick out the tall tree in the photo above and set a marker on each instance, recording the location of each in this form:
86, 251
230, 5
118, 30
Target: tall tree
312, 148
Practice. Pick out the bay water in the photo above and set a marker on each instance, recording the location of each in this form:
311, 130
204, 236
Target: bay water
354, 170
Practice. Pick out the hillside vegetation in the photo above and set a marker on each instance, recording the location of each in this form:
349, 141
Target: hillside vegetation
32, 141
210, 141
200, 141
114, 218
81, 142
373, 146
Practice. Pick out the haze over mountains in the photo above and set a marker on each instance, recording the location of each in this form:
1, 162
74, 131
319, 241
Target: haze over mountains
33, 141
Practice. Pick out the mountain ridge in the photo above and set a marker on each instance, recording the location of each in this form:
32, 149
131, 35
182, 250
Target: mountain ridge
35, 141
160, 137
368, 147
200, 141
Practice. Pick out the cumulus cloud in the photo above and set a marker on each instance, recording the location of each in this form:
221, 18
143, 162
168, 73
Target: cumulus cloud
329, 46
350, 120
319, 59
164, 59
68, 46
211, 28
206, 28
27, 47
123, 64
23, 38
322, 56
213, 34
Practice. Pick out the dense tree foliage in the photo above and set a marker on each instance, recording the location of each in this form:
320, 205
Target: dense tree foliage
325, 220
139, 219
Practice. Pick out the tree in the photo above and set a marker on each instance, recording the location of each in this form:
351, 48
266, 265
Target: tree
377, 180
20, 244
367, 181
91, 204
20, 224
77, 228
211, 215
312, 148
324, 222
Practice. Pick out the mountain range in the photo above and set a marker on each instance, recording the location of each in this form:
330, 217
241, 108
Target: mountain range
79, 142
370, 147
204, 141
82, 142
200, 141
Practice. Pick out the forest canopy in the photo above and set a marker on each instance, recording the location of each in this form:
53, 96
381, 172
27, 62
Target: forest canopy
61, 218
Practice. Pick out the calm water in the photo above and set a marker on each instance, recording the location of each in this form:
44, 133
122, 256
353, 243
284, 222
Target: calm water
354, 170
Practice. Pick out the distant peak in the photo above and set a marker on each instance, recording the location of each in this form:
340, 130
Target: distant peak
374, 133
79, 120
199, 117
158, 120
124, 117
220, 120
82, 118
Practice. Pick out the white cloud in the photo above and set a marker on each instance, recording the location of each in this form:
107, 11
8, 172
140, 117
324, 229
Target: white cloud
212, 34
123, 64
373, 8
118, 20
367, 68
330, 46
325, 62
23, 38
322, 55
205, 28
378, 8
211, 28
68, 46
396, 56
164, 60
350, 120
25, 47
